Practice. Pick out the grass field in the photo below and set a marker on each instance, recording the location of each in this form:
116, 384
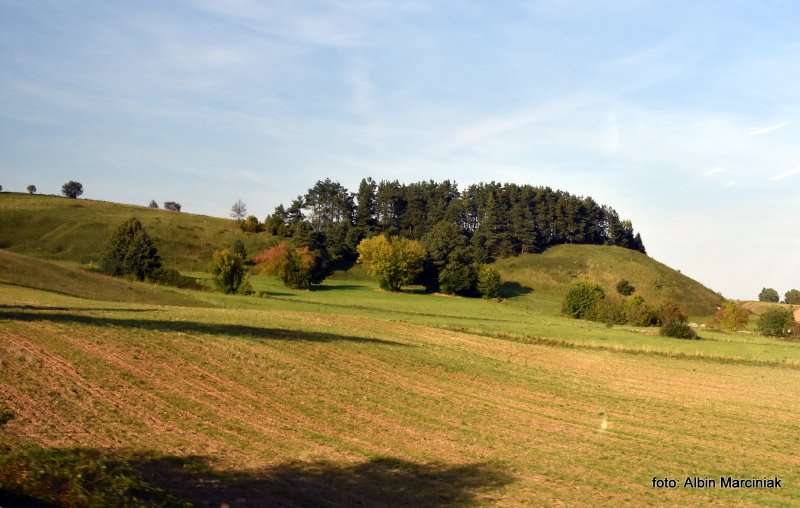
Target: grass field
127, 394
351, 395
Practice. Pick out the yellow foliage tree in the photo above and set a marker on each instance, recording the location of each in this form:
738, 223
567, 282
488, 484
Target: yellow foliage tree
393, 262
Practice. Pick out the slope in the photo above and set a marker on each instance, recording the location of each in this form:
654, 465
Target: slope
554, 271
77, 230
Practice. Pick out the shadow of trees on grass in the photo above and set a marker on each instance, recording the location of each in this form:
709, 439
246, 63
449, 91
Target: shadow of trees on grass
79, 477
514, 289
233, 330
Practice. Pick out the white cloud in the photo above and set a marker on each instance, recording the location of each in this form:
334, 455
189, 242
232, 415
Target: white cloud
715, 171
785, 174
758, 131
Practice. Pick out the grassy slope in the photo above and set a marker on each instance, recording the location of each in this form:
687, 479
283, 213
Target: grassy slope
76, 230
299, 401
554, 271
49, 276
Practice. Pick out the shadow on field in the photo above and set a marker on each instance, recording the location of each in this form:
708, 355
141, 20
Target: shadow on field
334, 287
232, 330
134, 478
514, 289
75, 309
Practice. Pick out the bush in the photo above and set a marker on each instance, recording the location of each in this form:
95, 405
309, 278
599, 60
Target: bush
580, 299
731, 316
638, 313
678, 330
458, 278
269, 260
130, 251
239, 249
31, 189
228, 272
296, 268
625, 288
250, 224
776, 322
6, 415
153, 204
669, 312
489, 282
72, 189
394, 262
769, 295
172, 206
607, 310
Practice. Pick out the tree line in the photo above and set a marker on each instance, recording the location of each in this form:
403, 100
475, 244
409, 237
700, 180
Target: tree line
493, 220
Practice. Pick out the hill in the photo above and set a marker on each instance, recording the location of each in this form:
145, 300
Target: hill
19, 270
76, 230
554, 271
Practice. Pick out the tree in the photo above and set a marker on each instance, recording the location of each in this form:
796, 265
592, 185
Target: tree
131, 252
489, 282
153, 204
250, 224
72, 189
31, 189
239, 210
731, 316
239, 249
638, 313
172, 206
580, 300
776, 322
228, 272
394, 262
460, 274
677, 330
296, 268
366, 211
625, 288
769, 295
792, 297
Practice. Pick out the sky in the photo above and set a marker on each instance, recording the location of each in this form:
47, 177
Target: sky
684, 116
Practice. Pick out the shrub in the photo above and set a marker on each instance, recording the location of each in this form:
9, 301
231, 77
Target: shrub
489, 282
625, 288
731, 316
239, 249
776, 322
394, 262
153, 204
580, 299
458, 278
678, 330
228, 272
130, 251
31, 189
669, 312
769, 295
792, 297
607, 310
638, 313
172, 206
268, 261
296, 268
72, 189
250, 224
6, 415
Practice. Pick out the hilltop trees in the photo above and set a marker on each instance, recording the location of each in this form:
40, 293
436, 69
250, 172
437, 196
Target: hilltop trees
792, 297
72, 189
152, 204
31, 189
394, 262
238, 210
131, 252
769, 295
250, 224
172, 206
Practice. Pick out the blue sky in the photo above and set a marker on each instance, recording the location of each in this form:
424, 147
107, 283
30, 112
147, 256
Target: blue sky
684, 117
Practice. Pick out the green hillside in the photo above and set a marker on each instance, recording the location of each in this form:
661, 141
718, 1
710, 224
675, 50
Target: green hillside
19, 270
554, 271
76, 230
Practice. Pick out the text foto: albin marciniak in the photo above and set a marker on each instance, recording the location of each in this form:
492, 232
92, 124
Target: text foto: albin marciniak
724, 482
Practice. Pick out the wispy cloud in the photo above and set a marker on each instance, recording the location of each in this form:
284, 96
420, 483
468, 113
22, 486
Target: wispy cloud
758, 131
715, 171
785, 174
